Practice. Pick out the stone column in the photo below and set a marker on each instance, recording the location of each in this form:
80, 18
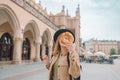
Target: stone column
17, 52
50, 51
77, 36
43, 49
37, 56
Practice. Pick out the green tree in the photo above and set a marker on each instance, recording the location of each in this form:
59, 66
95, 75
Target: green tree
112, 51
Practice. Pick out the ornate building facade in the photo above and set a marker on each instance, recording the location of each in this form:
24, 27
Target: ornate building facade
63, 20
26, 30
101, 45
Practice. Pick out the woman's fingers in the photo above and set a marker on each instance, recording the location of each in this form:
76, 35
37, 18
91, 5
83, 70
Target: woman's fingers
70, 47
45, 57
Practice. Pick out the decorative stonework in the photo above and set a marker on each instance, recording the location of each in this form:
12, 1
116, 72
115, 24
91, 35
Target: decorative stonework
31, 9
18, 39
20, 2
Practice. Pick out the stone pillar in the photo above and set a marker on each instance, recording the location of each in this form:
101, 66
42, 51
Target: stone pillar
43, 49
50, 51
77, 34
37, 49
17, 52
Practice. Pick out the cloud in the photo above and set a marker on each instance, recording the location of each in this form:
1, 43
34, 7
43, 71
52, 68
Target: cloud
100, 26
106, 5
60, 1
94, 3
87, 3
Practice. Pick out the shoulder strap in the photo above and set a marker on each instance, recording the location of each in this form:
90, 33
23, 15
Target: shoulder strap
69, 63
68, 60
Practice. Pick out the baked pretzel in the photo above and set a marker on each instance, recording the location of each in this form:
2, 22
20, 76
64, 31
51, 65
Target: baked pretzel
66, 38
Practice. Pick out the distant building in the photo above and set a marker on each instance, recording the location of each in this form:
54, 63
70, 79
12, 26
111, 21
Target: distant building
118, 47
101, 45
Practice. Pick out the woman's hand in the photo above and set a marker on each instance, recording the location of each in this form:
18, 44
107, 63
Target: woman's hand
70, 47
45, 59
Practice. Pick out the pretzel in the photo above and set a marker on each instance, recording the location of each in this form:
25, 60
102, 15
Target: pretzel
66, 38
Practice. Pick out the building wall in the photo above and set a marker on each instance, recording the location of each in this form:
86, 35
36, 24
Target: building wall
104, 46
118, 47
23, 19
63, 20
18, 19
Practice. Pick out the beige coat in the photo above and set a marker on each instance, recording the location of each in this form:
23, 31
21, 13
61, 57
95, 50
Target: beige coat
63, 69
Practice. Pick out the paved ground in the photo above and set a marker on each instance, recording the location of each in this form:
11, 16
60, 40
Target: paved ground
100, 72
37, 71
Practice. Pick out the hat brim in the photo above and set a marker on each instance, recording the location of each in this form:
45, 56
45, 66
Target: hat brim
60, 31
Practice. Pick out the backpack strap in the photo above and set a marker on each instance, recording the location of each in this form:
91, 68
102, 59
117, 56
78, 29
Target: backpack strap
68, 60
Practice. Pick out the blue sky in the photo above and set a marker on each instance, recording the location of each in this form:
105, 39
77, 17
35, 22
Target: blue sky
100, 19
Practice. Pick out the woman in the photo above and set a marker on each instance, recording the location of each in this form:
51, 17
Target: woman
58, 66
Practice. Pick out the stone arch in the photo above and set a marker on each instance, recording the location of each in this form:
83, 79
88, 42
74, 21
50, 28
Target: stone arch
34, 29
47, 37
9, 16
32, 33
46, 43
9, 23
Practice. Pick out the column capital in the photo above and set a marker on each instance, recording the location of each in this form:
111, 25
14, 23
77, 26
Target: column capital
18, 39
38, 40
18, 36
50, 44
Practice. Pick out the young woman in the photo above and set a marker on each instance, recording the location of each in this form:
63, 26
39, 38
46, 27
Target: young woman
64, 48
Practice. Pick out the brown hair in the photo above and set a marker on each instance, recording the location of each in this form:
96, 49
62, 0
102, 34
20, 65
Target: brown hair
57, 48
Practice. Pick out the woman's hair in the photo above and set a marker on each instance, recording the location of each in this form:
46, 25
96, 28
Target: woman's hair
57, 47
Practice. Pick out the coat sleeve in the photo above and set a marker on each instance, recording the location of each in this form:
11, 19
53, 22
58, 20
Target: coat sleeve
74, 69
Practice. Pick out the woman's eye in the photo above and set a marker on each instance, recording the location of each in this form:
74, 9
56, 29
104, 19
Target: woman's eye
66, 38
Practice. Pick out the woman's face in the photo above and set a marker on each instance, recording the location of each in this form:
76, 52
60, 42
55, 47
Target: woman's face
66, 38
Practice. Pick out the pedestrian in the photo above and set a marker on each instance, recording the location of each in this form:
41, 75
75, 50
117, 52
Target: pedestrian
65, 64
